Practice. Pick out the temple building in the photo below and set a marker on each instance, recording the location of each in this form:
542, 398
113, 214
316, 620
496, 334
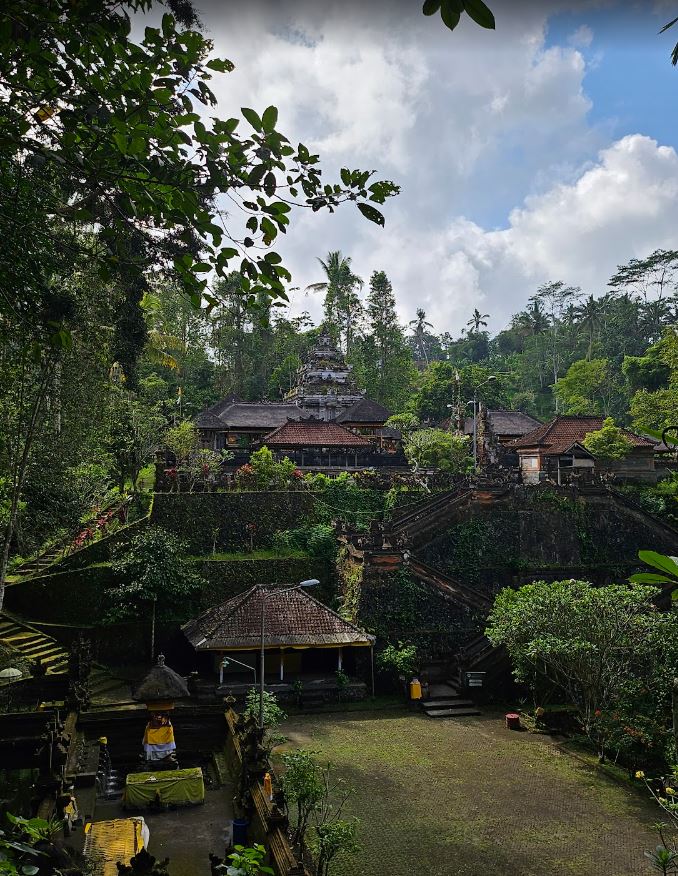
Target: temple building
326, 393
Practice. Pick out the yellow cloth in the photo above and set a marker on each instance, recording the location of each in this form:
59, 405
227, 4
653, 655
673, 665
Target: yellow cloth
158, 735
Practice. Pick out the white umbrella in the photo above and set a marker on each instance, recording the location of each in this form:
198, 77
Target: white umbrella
10, 674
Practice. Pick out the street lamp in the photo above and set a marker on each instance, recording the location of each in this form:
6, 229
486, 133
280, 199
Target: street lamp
311, 582
475, 420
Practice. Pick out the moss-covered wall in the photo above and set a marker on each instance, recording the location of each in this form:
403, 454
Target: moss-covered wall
79, 596
208, 520
397, 608
544, 533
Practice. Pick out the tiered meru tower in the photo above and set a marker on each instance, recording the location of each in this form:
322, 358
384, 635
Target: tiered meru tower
325, 386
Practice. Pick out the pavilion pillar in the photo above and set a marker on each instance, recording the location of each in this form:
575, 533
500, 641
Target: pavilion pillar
340, 657
282, 664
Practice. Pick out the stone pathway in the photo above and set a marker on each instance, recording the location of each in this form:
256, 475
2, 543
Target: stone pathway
467, 796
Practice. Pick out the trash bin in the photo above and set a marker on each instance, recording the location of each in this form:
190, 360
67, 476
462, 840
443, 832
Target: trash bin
240, 826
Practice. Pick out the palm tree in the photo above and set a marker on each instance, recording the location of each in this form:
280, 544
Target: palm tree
477, 320
532, 321
419, 326
590, 315
342, 304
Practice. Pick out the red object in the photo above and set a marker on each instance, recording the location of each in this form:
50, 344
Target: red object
512, 721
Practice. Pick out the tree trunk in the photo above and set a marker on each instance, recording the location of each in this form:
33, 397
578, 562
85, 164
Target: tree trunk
153, 630
674, 708
19, 466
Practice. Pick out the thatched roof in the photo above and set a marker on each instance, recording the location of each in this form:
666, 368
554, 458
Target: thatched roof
161, 683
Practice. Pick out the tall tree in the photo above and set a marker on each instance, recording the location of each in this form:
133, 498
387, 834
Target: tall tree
419, 327
342, 306
385, 358
478, 320
589, 315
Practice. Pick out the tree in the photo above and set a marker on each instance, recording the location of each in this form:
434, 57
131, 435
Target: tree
608, 442
590, 642
655, 411
105, 162
590, 315
477, 321
419, 328
451, 10
153, 573
556, 298
342, 306
182, 440
134, 432
264, 472
589, 387
304, 788
435, 448
384, 359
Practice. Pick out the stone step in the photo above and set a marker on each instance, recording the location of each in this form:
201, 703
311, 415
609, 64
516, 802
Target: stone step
448, 703
451, 713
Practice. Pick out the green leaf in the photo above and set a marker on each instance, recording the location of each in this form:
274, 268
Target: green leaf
371, 213
269, 119
477, 10
120, 141
221, 65
430, 7
650, 578
449, 15
252, 118
667, 565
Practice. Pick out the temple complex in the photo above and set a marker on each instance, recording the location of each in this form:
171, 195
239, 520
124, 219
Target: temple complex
325, 393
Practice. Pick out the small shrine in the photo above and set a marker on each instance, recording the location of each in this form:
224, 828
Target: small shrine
159, 690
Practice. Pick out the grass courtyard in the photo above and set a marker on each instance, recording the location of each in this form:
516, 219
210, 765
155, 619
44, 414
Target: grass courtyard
468, 797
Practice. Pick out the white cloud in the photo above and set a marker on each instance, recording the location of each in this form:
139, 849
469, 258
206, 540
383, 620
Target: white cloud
471, 124
623, 206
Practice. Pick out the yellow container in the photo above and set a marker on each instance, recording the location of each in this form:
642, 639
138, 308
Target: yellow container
415, 689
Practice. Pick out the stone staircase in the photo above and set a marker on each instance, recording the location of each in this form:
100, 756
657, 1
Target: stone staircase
445, 701
33, 644
447, 586
35, 567
418, 523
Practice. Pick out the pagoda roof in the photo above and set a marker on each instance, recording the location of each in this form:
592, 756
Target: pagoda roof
292, 617
315, 433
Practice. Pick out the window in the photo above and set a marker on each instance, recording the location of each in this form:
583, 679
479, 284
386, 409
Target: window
530, 463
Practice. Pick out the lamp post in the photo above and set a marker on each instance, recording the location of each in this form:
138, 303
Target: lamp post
264, 595
475, 420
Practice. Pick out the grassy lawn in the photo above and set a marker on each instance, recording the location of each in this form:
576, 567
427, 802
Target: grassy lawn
467, 796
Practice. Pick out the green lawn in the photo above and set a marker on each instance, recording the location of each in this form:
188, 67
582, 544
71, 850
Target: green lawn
254, 555
466, 796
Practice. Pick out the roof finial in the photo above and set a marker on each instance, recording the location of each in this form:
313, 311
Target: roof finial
161, 659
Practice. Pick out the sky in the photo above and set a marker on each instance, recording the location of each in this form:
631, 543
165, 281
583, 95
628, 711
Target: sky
544, 150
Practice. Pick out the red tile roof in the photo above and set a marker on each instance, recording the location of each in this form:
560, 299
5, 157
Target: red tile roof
566, 430
292, 617
314, 434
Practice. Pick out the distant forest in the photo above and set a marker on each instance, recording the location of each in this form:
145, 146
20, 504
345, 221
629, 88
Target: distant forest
568, 351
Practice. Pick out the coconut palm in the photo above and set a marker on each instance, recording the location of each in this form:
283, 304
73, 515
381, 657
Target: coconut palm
590, 316
342, 304
478, 320
419, 328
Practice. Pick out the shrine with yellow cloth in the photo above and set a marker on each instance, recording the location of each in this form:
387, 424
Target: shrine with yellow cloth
158, 738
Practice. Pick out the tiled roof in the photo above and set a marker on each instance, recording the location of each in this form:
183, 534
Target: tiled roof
314, 433
570, 429
365, 411
292, 617
508, 423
